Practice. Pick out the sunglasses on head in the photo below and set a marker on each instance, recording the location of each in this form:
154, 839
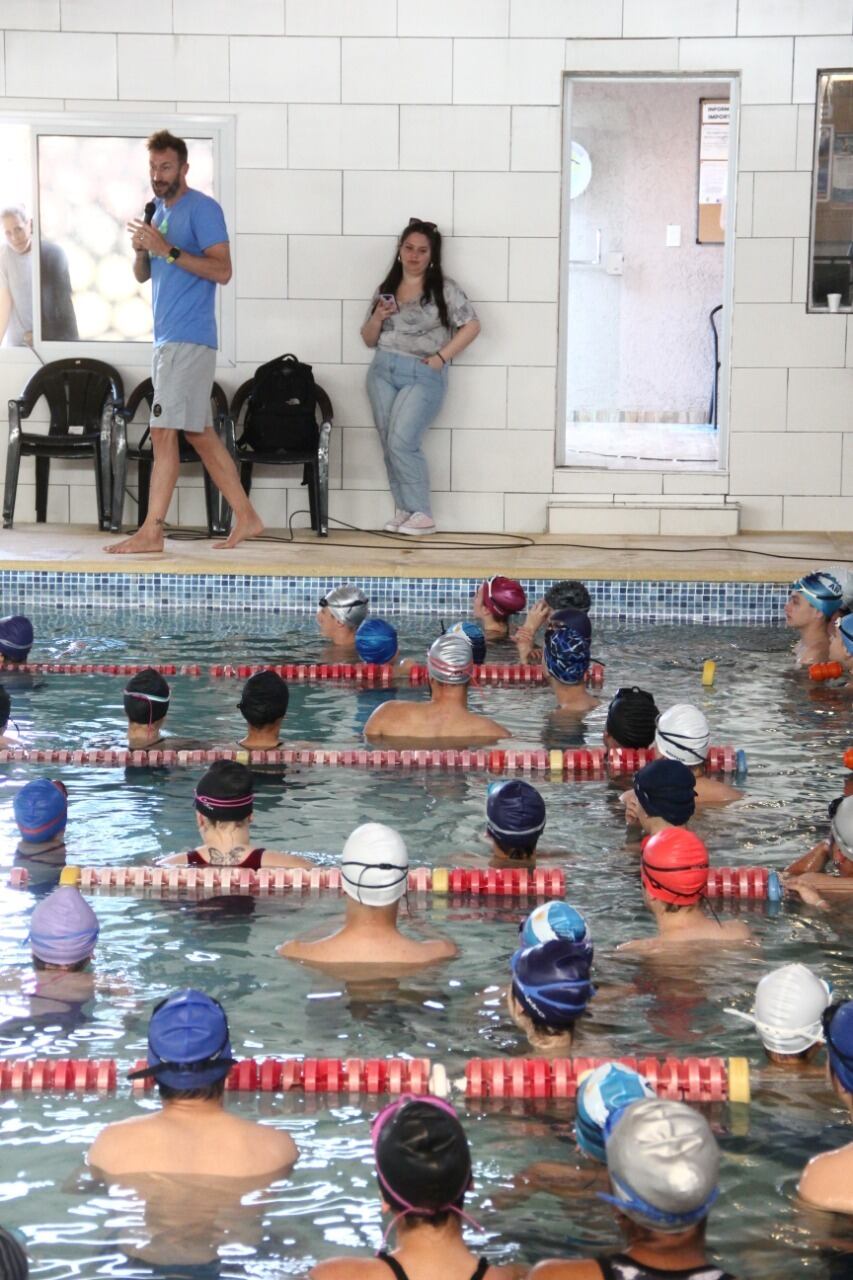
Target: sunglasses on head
420, 222
324, 604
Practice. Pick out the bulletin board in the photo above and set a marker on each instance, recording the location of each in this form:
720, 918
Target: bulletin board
714, 118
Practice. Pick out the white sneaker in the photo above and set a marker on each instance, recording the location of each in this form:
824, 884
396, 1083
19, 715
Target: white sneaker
417, 525
400, 517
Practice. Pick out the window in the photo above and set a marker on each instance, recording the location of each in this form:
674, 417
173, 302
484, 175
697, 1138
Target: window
831, 243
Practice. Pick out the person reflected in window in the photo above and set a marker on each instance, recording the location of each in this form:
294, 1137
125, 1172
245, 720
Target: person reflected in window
58, 321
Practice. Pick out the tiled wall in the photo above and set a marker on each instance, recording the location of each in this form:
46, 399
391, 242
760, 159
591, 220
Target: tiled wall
353, 115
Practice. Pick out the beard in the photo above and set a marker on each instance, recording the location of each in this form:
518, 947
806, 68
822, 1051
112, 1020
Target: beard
168, 190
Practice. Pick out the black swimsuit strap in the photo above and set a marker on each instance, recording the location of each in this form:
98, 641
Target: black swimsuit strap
393, 1264
482, 1267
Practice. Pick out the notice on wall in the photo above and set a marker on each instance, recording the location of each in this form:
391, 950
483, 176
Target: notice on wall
714, 120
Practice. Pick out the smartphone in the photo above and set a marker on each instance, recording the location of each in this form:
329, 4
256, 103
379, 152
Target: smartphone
389, 300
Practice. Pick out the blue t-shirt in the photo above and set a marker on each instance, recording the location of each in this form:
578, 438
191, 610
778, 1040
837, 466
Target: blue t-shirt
184, 309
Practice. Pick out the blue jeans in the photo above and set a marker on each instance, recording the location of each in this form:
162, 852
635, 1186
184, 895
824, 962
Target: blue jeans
405, 396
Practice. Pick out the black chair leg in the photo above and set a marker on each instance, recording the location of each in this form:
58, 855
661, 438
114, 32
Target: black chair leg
310, 474
246, 476
42, 482
212, 507
144, 487
13, 467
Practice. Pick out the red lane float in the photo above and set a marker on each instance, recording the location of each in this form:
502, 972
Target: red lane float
848, 758
738, 882
684, 1079
371, 673
104, 668
625, 760
825, 671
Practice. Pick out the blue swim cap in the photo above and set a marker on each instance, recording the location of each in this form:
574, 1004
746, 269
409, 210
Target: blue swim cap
602, 1092
838, 1033
566, 649
552, 920
476, 635
41, 810
822, 590
515, 814
666, 789
551, 981
16, 637
376, 641
188, 1042
845, 627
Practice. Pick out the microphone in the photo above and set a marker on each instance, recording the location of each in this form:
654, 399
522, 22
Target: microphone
149, 211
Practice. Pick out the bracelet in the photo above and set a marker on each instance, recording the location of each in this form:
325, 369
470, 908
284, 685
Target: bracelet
441, 357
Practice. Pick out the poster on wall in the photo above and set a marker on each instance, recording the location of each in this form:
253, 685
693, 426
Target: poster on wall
824, 162
842, 169
714, 122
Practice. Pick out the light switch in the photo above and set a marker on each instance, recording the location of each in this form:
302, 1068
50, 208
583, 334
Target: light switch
673, 235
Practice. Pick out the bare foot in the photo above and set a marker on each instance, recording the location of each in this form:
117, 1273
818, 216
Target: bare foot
139, 543
249, 527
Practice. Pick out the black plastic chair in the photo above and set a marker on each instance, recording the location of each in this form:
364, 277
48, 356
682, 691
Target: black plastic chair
218, 510
80, 393
314, 463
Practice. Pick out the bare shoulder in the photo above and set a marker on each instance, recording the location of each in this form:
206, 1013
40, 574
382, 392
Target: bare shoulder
277, 1143
827, 1181
109, 1150
345, 1268
278, 858
440, 948
386, 714
737, 931
173, 860
583, 1269
639, 945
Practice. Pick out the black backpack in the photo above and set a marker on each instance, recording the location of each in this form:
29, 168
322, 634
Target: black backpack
280, 416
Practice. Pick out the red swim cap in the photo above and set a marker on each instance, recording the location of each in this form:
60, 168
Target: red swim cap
503, 596
674, 866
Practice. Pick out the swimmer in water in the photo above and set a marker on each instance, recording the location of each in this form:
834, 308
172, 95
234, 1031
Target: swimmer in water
446, 717
663, 1163
376, 642
41, 812
263, 705
674, 873
631, 719
475, 634
787, 1012
375, 873
497, 600
567, 594
14, 1263
423, 1168
5, 714
814, 870
683, 733
63, 934
814, 601
341, 612
224, 804
146, 705
827, 1180
565, 661
841, 643
515, 819
189, 1058
551, 984
16, 639
663, 795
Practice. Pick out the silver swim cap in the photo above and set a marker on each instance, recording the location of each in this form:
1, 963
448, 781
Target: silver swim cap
375, 865
789, 1004
451, 659
663, 1163
347, 603
842, 826
683, 734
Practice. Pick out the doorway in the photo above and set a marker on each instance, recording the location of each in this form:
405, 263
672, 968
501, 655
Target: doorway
647, 242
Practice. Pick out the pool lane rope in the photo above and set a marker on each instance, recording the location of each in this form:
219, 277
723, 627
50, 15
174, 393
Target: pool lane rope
702, 1080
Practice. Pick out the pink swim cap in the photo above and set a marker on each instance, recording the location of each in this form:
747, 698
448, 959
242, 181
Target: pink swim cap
503, 597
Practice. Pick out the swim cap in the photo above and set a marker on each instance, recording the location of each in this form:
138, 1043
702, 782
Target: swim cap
63, 927
552, 920
822, 590
375, 865
16, 637
146, 697
788, 1008
188, 1042
503, 597
683, 734
674, 866
568, 594
551, 981
845, 628
631, 717
5, 707
515, 814
14, 1263
450, 659
225, 793
601, 1094
577, 619
841, 828
376, 641
41, 810
475, 634
566, 647
346, 603
264, 698
666, 789
663, 1162
423, 1163
838, 1033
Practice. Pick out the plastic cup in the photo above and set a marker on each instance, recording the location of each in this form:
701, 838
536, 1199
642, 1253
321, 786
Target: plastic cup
833, 301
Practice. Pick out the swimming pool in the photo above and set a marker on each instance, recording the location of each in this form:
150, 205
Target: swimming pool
794, 736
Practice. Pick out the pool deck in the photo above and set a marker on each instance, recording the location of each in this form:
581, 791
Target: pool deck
753, 557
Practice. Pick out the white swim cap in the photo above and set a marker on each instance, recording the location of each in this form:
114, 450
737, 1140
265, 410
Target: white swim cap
842, 826
346, 603
375, 865
683, 734
789, 1003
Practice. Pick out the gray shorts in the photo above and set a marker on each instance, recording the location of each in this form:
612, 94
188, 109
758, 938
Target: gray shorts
183, 374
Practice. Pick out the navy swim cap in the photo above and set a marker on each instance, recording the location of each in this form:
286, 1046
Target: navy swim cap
5, 708
838, 1033
376, 641
188, 1042
515, 814
16, 637
632, 717
41, 810
666, 789
475, 634
567, 645
551, 981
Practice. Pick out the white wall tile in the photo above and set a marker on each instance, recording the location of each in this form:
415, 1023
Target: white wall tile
674, 18
781, 204
294, 200
816, 514
453, 18
83, 505
759, 514
30, 15
621, 55
363, 508
506, 204
248, 18
363, 465
580, 480
516, 72
121, 106
686, 522
343, 137
812, 52
745, 199
758, 399
276, 69
345, 386
525, 512
773, 335
262, 137
765, 64
468, 512
847, 466
531, 399
260, 267
805, 136
453, 138
341, 17
338, 266
565, 18
60, 65
763, 270
382, 203
536, 139
787, 462
479, 265
108, 15
266, 327
800, 273
534, 270
173, 66
25, 503
699, 484
768, 137
395, 71
794, 17
354, 350
820, 400
604, 519
515, 333
476, 399
516, 461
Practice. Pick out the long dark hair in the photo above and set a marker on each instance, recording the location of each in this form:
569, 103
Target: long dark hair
434, 278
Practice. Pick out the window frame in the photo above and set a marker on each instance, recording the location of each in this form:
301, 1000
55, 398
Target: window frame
812, 308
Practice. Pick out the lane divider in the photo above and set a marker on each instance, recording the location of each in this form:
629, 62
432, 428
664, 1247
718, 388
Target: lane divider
825, 671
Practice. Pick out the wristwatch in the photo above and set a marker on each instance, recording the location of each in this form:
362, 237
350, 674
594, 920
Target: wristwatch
173, 254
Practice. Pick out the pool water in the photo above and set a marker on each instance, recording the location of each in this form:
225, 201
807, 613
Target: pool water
794, 735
